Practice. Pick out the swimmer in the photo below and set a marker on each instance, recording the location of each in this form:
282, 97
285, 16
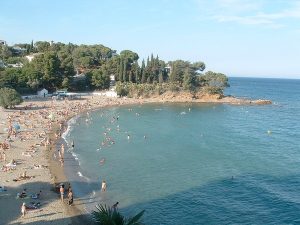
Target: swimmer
115, 206
102, 161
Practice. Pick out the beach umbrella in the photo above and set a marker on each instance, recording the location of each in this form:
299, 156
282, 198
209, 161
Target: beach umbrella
51, 116
5, 129
17, 126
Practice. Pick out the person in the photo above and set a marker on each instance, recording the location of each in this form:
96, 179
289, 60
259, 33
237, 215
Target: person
24, 175
103, 186
102, 161
62, 150
70, 197
23, 209
4, 156
2, 189
72, 144
62, 192
23, 193
36, 195
115, 206
69, 187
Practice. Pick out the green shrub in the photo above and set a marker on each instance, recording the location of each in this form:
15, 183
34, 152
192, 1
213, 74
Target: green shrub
9, 98
122, 89
212, 90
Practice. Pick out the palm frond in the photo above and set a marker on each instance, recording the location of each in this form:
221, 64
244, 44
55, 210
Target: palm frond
104, 215
135, 220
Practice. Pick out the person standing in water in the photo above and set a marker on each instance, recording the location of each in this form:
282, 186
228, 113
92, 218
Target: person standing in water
23, 209
70, 197
62, 192
103, 186
62, 149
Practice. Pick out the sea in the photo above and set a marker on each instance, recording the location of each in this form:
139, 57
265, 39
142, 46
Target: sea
188, 164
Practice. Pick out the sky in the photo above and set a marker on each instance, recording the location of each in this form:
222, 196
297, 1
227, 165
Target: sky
251, 38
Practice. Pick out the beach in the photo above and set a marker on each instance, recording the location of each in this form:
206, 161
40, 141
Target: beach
37, 127
37, 120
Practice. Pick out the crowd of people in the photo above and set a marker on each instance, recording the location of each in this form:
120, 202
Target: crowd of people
32, 124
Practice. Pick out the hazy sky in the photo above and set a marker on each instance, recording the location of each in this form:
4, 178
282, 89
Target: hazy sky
259, 38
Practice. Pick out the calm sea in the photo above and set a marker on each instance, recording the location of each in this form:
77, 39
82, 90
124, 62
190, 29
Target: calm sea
195, 163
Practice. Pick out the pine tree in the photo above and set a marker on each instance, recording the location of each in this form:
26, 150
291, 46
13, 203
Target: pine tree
188, 80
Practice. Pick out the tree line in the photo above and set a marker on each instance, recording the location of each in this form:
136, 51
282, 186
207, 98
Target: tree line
58, 65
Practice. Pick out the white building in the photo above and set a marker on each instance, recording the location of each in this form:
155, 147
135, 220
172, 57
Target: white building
112, 81
1, 64
16, 65
32, 56
43, 93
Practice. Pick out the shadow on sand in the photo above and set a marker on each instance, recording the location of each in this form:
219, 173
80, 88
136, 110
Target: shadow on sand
9, 201
247, 199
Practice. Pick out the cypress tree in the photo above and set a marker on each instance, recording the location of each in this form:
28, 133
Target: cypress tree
160, 77
143, 78
31, 46
130, 77
148, 62
121, 71
125, 71
152, 61
149, 80
136, 72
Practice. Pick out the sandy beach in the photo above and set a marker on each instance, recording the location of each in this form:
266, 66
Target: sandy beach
29, 164
29, 152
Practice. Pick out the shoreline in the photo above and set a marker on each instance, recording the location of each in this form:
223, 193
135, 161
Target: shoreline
76, 212
79, 210
36, 121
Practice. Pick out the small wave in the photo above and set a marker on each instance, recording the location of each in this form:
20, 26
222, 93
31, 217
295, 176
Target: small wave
80, 175
75, 157
182, 113
70, 124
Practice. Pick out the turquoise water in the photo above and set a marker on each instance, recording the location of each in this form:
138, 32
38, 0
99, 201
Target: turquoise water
198, 163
